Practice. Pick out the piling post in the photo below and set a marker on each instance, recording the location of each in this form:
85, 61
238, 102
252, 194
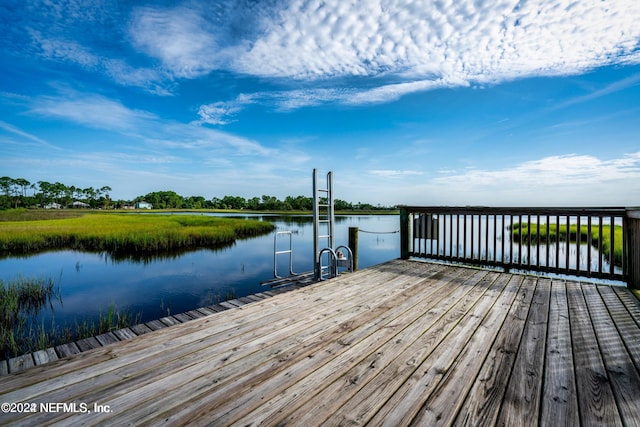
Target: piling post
632, 248
404, 233
353, 245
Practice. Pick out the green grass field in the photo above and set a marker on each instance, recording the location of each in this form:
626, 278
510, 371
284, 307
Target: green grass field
120, 233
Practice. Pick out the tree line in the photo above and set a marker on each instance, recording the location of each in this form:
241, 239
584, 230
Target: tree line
20, 193
172, 200
15, 194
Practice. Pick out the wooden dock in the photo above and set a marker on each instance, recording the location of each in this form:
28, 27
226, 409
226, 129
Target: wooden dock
404, 342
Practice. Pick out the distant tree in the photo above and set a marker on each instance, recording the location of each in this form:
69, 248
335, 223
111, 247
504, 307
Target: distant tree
341, 205
6, 185
253, 203
195, 202
163, 199
23, 184
46, 190
103, 196
299, 203
270, 203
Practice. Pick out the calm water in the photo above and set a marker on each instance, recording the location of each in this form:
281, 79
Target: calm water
90, 282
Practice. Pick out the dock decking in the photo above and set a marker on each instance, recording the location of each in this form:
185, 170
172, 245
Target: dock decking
404, 342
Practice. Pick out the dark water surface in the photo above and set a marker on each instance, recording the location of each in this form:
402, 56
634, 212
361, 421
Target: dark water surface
89, 283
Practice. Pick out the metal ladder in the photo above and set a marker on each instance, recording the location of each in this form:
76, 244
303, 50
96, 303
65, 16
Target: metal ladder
323, 227
323, 239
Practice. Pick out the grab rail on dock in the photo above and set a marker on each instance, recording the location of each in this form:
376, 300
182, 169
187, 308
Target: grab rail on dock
332, 264
276, 252
592, 242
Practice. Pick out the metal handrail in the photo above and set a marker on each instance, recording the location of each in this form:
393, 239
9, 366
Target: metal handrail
573, 241
276, 252
331, 267
349, 258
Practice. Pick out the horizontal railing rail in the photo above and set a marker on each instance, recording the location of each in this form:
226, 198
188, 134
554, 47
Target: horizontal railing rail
589, 242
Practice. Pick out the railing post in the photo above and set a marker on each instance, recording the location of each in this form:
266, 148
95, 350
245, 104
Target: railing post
632, 244
404, 233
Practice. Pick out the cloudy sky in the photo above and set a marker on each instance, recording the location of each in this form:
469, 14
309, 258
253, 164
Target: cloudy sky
418, 102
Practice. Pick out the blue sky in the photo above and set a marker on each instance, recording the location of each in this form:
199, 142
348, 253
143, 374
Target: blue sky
413, 102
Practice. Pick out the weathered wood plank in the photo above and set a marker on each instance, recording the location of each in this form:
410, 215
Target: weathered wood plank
559, 396
630, 302
595, 397
65, 350
20, 363
107, 338
245, 300
624, 382
629, 331
427, 397
88, 344
4, 367
217, 308
227, 304
154, 325
42, 357
124, 334
484, 400
169, 320
521, 402
206, 311
195, 314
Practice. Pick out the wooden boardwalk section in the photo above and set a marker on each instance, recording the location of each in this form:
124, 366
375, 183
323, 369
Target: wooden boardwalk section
42, 357
401, 343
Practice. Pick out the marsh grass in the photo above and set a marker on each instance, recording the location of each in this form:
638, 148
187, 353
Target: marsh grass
125, 233
21, 302
560, 232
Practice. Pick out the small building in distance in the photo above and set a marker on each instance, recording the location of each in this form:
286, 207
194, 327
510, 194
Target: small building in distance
143, 205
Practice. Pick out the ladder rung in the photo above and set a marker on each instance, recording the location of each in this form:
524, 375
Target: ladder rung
284, 252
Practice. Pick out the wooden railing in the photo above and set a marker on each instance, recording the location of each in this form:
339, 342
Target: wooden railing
591, 242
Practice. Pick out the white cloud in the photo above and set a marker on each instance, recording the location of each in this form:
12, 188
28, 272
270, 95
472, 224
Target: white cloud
91, 110
25, 135
98, 112
410, 46
180, 38
216, 113
563, 180
452, 42
394, 173
394, 47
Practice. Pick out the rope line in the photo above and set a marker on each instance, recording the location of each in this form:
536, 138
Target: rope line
378, 232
